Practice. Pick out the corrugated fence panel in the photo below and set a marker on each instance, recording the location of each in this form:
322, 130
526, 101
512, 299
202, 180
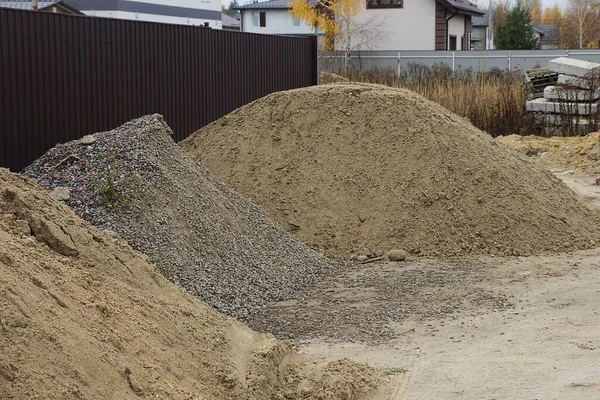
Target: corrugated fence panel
63, 76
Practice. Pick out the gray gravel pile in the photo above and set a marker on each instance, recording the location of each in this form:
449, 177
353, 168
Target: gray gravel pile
134, 180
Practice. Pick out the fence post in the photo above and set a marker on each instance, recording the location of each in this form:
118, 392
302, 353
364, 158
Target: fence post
453, 63
399, 65
567, 52
317, 61
509, 61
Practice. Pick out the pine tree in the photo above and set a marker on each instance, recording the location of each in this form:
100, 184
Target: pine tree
516, 32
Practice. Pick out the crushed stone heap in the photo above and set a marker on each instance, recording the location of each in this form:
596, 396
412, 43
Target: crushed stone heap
135, 181
353, 167
83, 316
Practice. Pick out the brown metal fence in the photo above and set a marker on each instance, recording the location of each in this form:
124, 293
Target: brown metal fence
63, 76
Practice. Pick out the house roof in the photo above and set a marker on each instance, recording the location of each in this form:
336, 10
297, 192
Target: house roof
481, 20
229, 21
550, 32
462, 7
28, 5
262, 5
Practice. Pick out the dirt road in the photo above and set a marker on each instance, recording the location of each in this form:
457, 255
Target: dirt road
478, 328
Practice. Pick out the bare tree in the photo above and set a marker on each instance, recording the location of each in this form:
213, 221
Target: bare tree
362, 33
584, 15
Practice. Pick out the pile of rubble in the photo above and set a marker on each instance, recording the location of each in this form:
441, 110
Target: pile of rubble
573, 100
135, 181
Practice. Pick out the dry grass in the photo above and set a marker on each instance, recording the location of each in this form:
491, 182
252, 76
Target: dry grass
493, 101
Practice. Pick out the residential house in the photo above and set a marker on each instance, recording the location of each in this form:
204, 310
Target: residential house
184, 12
422, 24
59, 7
400, 24
482, 37
272, 17
549, 36
230, 23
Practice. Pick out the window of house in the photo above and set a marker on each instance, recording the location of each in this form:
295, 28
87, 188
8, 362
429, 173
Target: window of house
452, 43
259, 19
295, 21
385, 3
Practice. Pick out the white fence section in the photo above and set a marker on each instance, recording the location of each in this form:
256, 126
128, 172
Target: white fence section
458, 60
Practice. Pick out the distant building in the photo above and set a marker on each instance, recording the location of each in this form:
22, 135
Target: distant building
407, 25
60, 7
272, 17
184, 12
549, 36
230, 23
482, 37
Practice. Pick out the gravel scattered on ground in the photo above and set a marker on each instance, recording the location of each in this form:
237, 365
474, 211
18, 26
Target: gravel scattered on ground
135, 181
365, 303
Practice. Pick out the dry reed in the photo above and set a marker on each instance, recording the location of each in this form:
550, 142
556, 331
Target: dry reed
493, 101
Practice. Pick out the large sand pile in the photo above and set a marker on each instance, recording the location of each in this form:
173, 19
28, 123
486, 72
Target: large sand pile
83, 316
349, 167
200, 233
580, 153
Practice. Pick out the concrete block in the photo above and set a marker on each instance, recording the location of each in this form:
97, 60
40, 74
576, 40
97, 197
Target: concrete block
572, 66
554, 107
578, 128
560, 125
557, 119
562, 93
574, 81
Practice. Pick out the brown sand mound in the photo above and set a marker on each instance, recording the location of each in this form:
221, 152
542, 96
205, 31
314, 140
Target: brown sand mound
83, 316
329, 77
349, 167
579, 153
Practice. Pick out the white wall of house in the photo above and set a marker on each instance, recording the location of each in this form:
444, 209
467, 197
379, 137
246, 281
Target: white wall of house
213, 7
408, 28
456, 27
156, 18
277, 22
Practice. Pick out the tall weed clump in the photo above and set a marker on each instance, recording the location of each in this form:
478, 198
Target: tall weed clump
494, 101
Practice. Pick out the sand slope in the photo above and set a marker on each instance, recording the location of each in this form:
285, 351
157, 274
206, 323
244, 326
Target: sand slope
83, 316
355, 167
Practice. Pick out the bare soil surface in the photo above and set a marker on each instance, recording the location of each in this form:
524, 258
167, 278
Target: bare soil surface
545, 347
368, 302
476, 328
578, 153
83, 316
354, 168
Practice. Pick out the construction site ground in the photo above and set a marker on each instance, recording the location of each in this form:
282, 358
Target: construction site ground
476, 328
497, 296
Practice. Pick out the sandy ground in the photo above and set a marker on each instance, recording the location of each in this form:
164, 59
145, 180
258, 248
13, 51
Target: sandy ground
544, 345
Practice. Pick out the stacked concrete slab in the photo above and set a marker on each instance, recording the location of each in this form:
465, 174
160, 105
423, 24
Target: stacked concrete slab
574, 97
